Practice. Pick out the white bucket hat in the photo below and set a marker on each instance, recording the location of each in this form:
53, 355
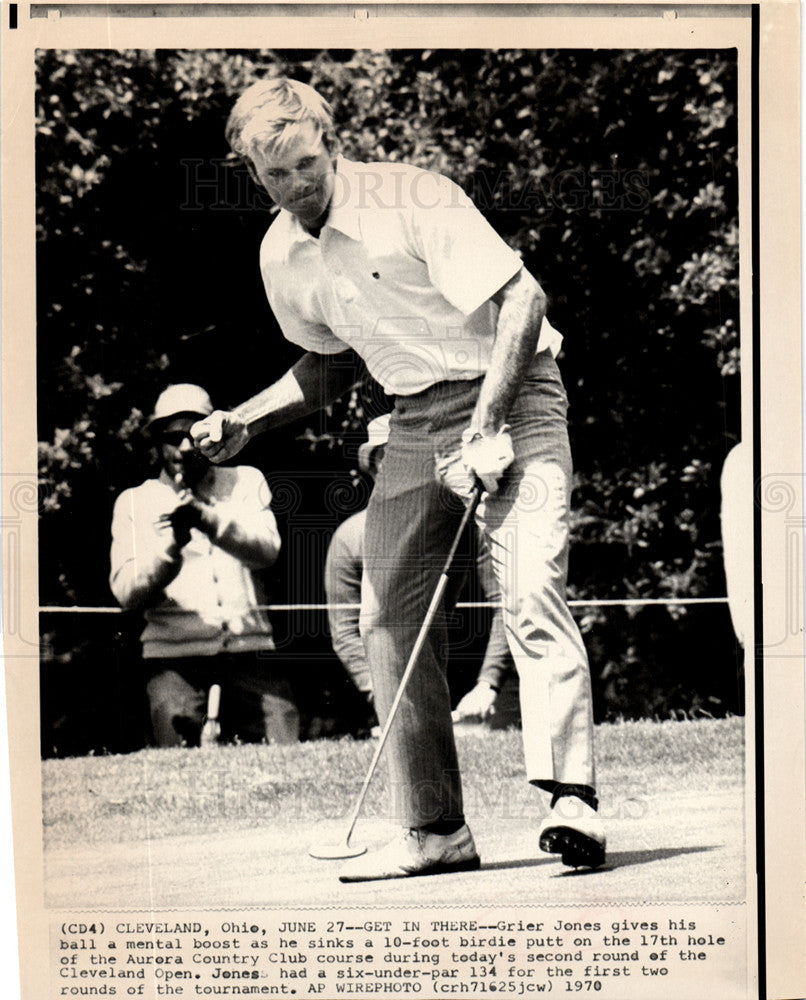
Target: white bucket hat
180, 399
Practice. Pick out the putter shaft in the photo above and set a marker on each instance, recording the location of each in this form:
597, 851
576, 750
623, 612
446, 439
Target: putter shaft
470, 510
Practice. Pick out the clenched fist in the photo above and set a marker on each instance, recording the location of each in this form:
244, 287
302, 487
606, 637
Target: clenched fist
220, 436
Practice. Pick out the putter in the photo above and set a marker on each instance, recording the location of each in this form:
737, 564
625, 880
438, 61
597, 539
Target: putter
344, 849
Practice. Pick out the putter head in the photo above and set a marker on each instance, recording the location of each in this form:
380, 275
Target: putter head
337, 852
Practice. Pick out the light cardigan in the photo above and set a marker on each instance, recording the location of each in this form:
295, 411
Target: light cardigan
202, 599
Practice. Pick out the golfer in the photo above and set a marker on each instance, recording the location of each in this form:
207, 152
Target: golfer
344, 568
396, 265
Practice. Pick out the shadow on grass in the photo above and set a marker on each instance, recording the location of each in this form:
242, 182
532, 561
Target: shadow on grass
520, 863
615, 859
629, 859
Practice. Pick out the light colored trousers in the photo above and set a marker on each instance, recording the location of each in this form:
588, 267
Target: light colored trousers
412, 517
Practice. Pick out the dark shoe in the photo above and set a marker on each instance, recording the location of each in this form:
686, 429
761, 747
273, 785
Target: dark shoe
575, 831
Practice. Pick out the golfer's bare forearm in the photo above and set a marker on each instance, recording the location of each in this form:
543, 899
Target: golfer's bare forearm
313, 382
522, 306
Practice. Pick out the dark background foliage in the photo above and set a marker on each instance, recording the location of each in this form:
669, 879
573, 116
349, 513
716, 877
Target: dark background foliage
614, 173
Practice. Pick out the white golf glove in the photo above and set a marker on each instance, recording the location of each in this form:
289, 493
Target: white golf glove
487, 457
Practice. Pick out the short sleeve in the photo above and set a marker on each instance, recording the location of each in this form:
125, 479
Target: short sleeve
309, 335
467, 260
286, 289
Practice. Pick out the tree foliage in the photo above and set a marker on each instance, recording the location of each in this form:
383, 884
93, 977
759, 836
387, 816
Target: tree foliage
614, 174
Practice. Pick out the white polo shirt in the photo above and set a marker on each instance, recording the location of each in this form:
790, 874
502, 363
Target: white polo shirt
402, 272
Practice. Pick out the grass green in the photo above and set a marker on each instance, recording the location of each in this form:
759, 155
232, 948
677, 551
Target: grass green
164, 793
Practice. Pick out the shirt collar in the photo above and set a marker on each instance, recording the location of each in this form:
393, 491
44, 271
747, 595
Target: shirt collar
203, 489
343, 214
344, 207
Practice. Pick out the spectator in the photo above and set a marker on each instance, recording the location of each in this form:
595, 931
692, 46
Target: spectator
184, 548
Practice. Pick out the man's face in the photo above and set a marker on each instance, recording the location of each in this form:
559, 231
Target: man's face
179, 457
298, 176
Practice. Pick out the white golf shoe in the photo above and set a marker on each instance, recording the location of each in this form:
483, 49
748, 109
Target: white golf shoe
575, 831
416, 852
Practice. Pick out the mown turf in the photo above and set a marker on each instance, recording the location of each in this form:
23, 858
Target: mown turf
164, 793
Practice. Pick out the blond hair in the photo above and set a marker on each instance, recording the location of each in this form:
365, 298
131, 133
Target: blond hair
267, 112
